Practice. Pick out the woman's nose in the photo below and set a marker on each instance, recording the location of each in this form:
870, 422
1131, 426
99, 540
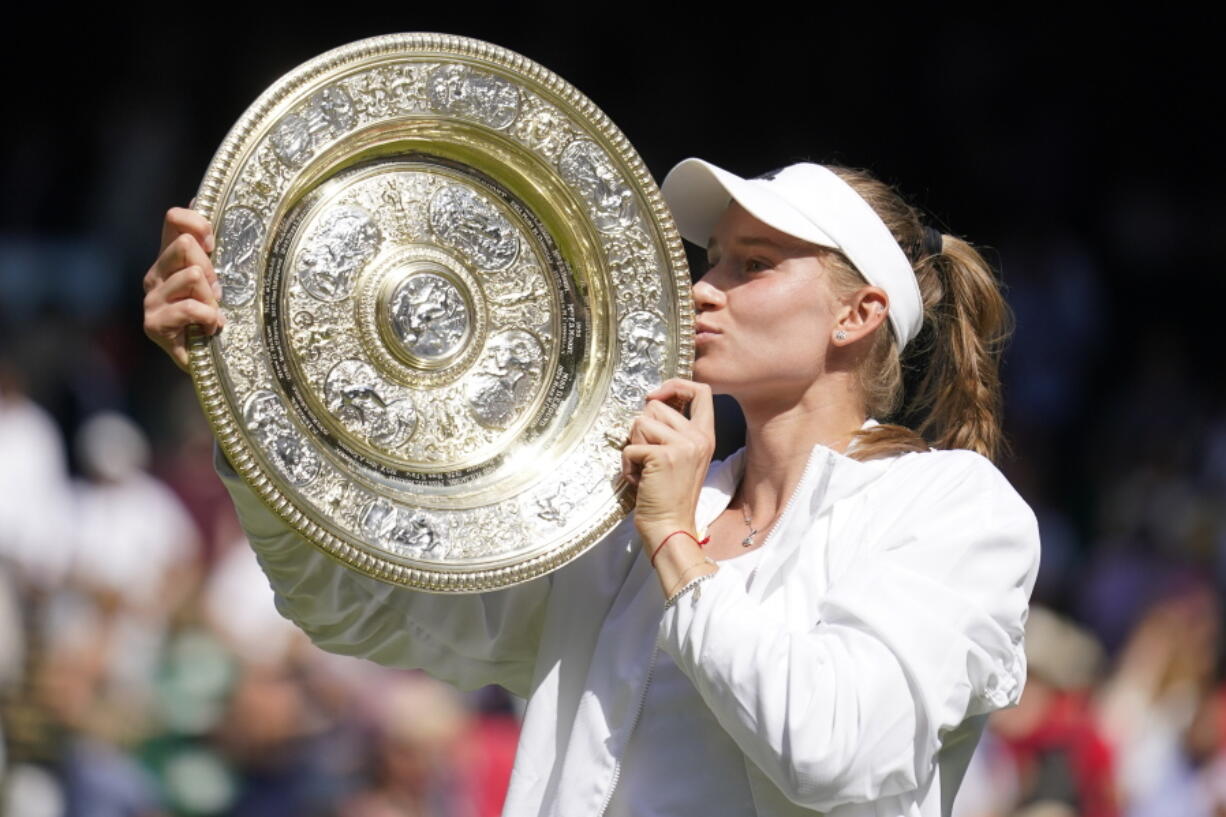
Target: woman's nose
706, 295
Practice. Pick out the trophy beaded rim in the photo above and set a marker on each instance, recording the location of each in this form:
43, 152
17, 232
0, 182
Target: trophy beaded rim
233, 438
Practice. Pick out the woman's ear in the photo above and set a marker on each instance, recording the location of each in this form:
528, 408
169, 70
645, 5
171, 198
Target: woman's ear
863, 312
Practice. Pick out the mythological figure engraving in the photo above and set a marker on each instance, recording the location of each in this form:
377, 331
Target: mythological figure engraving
329, 112
291, 140
352, 391
643, 339
429, 316
347, 237
507, 379
470, 224
268, 422
410, 533
459, 90
242, 233
588, 169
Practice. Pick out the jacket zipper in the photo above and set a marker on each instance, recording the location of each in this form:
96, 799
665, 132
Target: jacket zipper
804, 478
617, 766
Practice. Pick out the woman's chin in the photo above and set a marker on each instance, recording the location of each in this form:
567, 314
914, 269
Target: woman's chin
706, 375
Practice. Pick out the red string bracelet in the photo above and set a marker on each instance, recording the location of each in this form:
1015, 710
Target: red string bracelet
670, 536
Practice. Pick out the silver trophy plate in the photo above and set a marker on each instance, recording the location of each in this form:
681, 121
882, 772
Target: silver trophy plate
448, 283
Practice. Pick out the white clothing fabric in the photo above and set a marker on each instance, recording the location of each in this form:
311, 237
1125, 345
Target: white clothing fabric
853, 673
652, 763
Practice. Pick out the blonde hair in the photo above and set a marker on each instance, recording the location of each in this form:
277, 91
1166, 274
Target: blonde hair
949, 374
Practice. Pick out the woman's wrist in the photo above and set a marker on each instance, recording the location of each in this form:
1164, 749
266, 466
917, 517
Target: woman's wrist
655, 532
678, 559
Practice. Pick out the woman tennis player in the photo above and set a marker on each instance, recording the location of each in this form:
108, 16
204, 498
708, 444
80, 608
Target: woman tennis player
819, 623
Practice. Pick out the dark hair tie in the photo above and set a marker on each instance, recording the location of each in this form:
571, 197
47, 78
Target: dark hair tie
933, 241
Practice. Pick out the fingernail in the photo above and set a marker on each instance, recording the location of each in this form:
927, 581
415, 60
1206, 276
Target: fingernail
217, 290
209, 243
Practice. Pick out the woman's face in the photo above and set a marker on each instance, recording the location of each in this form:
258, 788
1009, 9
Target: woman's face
765, 312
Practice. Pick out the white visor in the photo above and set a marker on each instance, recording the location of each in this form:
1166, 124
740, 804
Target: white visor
810, 202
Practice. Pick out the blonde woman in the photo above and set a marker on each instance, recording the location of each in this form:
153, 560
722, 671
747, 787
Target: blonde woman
820, 622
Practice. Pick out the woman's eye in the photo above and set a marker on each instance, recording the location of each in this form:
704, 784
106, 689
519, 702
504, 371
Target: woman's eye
756, 265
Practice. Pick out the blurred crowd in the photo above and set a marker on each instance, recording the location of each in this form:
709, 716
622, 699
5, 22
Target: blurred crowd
144, 669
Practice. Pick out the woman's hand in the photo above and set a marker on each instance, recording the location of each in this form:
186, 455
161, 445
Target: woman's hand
668, 456
181, 287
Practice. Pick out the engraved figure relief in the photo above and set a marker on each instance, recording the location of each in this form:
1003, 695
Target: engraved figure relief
468, 223
462, 91
406, 87
506, 379
311, 336
402, 531
487, 531
260, 184
544, 130
336, 496
557, 506
266, 419
291, 140
633, 264
352, 394
241, 235
428, 316
330, 108
642, 343
519, 298
345, 239
590, 172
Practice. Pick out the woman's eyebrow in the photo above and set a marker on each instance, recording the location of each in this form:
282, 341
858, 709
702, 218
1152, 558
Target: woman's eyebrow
795, 246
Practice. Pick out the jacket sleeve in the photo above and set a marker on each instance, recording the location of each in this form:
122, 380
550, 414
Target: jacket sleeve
469, 640
923, 630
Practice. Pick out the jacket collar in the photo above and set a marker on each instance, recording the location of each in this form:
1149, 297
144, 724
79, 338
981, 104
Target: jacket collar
828, 477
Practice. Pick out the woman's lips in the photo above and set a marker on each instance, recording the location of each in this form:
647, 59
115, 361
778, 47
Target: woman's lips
704, 333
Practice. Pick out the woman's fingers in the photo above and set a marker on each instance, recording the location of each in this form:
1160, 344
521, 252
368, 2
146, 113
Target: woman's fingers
646, 435
183, 221
680, 394
653, 431
166, 325
186, 283
185, 251
181, 288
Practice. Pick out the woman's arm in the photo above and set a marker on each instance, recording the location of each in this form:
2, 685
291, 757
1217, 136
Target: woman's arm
914, 637
469, 640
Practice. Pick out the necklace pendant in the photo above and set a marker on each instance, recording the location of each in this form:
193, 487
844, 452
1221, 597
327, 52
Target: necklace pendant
748, 540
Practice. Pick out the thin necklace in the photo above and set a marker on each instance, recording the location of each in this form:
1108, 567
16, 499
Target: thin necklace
748, 540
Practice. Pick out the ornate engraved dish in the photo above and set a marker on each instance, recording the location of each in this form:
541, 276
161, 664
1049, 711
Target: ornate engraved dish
448, 282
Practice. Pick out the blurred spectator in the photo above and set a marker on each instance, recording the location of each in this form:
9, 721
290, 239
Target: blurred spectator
34, 496
1062, 760
419, 723
1161, 690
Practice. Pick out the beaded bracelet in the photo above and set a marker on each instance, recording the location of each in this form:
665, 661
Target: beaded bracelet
707, 560
672, 600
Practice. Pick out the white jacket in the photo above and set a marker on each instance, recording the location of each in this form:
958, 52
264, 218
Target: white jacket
883, 623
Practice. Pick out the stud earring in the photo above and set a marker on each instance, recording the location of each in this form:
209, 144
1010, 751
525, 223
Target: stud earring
840, 335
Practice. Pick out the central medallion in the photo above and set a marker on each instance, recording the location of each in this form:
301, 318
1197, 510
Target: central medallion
425, 314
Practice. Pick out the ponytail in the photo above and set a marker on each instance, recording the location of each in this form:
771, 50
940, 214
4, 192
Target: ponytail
946, 383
